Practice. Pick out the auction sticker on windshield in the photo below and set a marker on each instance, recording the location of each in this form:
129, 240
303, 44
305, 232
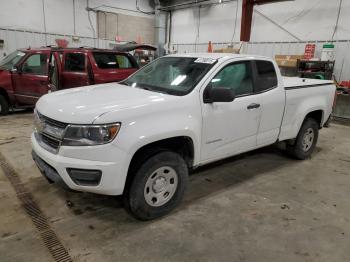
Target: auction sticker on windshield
205, 60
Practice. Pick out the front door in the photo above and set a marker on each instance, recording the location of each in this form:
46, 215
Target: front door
230, 128
31, 79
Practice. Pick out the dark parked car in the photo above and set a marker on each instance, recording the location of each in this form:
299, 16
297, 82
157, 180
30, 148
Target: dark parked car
27, 74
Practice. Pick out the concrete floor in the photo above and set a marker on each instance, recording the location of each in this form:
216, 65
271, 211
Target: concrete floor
261, 206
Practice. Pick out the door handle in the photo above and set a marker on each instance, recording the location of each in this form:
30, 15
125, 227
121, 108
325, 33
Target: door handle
253, 106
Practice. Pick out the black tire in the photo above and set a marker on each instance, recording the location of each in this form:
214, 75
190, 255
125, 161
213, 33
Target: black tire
4, 105
300, 150
135, 196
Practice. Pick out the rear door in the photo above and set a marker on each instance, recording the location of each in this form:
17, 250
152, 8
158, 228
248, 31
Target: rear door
271, 97
112, 66
74, 69
31, 79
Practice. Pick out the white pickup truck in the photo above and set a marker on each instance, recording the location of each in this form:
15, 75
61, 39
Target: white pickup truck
139, 138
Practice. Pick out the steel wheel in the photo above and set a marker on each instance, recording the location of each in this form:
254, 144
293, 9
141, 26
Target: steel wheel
161, 186
308, 139
157, 187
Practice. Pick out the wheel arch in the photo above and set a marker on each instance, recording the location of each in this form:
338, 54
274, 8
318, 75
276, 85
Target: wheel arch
183, 145
317, 115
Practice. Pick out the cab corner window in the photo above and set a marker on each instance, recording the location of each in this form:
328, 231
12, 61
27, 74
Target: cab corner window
74, 62
235, 76
35, 64
266, 75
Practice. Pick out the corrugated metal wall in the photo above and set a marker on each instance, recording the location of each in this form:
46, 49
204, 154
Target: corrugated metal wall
127, 27
270, 49
14, 39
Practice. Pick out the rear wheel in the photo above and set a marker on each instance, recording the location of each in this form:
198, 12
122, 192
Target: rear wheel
306, 140
4, 105
158, 186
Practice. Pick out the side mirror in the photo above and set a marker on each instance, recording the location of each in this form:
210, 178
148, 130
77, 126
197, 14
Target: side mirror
16, 69
219, 94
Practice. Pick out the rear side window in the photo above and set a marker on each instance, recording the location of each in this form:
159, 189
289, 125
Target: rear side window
112, 61
266, 75
74, 62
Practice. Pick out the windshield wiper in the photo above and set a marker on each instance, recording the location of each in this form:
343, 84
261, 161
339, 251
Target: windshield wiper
145, 88
123, 83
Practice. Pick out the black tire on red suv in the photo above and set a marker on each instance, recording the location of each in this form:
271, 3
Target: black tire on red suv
4, 105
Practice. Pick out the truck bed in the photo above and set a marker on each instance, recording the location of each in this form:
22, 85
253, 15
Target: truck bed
303, 96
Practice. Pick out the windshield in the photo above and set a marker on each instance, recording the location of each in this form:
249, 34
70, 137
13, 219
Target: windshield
171, 75
9, 61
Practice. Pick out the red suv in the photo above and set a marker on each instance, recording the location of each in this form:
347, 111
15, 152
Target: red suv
27, 74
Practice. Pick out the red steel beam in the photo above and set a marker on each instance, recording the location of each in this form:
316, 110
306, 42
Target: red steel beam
246, 22
247, 16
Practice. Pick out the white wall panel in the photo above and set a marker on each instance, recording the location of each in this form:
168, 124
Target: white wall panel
308, 20
15, 14
28, 14
216, 24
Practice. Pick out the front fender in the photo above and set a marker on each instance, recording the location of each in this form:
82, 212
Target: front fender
151, 123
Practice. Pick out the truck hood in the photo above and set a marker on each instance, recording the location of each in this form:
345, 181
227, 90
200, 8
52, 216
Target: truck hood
84, 105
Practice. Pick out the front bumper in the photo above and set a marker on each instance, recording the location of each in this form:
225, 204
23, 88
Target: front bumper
48, 171
113, 172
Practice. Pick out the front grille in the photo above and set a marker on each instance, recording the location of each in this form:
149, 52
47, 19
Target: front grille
49, 132
52, 122
50, 141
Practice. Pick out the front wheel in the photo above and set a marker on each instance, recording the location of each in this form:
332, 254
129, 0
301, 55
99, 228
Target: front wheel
306, 140
158, 186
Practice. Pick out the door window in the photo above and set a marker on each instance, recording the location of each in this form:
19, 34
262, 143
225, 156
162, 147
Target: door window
35, 64
74, 62
266, 75
235, 76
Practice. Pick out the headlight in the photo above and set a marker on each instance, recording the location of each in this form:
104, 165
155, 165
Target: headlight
89, 135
